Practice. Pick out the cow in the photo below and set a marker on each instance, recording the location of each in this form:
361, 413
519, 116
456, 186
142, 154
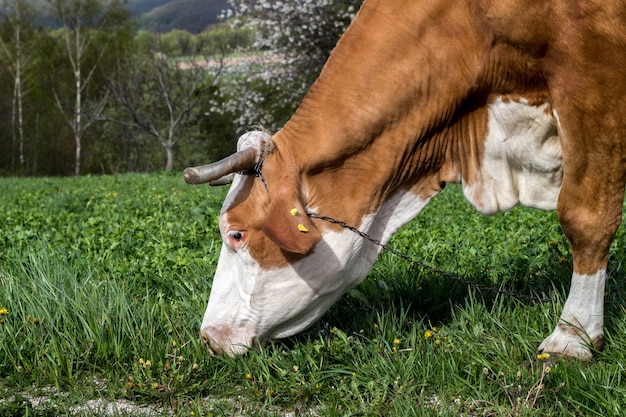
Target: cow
519, 101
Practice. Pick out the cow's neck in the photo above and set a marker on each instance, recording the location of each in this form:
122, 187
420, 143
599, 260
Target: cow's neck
395, 110
361, 130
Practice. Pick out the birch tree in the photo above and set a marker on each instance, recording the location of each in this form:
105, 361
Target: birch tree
85, 25
17, 17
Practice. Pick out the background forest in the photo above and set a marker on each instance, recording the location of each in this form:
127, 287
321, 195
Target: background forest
108, 86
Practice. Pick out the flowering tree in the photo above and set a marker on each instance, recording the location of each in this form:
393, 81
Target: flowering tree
298, 36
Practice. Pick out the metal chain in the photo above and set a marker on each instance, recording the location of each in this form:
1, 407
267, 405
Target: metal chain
258, 172
430, 268
258, 167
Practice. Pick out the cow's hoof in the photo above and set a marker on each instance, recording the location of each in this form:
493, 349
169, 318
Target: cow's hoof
564, 341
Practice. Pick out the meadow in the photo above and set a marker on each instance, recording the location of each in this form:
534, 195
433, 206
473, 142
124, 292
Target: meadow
104, 281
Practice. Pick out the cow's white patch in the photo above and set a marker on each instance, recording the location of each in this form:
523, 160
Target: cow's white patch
582, 319
248, 303
522, 161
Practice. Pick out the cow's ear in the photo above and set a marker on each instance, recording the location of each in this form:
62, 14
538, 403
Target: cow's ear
289, 226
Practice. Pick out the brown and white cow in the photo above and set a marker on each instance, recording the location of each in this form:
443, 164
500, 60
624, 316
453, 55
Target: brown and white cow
518, 100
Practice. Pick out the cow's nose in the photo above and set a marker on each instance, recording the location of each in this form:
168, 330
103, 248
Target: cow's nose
223, 341
214, 348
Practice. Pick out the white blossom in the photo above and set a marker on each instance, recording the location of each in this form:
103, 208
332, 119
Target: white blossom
293, 40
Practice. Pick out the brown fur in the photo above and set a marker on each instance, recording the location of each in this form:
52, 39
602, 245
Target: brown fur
401, 105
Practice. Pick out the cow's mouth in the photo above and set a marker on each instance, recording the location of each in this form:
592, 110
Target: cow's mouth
223, 341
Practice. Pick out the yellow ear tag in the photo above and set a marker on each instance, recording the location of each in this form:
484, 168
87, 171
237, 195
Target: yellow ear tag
294, 212
302, 228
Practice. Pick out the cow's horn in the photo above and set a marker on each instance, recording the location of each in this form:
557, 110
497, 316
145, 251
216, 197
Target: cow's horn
249, 147
225, 180
240, 161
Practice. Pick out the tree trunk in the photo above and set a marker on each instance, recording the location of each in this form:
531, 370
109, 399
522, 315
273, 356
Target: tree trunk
77, 118
169, 165
18, 84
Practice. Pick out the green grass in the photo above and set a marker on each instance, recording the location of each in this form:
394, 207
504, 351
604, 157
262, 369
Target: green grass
105, 280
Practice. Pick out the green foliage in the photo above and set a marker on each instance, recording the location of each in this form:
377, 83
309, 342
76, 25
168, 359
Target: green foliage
254, 89
221, 38
49, 144
104, 280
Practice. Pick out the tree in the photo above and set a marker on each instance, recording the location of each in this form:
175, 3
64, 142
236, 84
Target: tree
17, 17
87, 27
161, 95
298, 35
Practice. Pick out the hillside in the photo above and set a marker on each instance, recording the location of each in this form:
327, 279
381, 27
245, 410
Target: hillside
139, 7
165, 15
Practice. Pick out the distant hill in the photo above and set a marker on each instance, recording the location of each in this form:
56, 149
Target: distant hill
139, 7
165, 15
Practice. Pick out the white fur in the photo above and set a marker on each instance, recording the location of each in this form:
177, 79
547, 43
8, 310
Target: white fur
522, 161
584, 312
257, 304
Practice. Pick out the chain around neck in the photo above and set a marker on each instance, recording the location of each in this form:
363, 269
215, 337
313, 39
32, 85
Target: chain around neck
454, 277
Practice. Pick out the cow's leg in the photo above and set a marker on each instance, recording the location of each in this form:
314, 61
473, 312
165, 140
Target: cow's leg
590, 211
587, 88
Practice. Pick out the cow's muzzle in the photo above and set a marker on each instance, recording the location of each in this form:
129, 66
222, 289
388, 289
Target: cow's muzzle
223, 341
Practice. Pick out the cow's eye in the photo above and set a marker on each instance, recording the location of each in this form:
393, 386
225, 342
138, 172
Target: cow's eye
236, 239
236, 235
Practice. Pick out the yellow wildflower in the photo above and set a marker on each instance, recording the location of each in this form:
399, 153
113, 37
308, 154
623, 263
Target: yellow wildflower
428, 334
248, 376
4, 312
543, 356
396, 341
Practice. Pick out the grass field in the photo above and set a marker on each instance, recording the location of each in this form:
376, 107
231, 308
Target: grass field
104, 281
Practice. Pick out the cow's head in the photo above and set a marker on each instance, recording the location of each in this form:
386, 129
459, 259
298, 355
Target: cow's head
278, 270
